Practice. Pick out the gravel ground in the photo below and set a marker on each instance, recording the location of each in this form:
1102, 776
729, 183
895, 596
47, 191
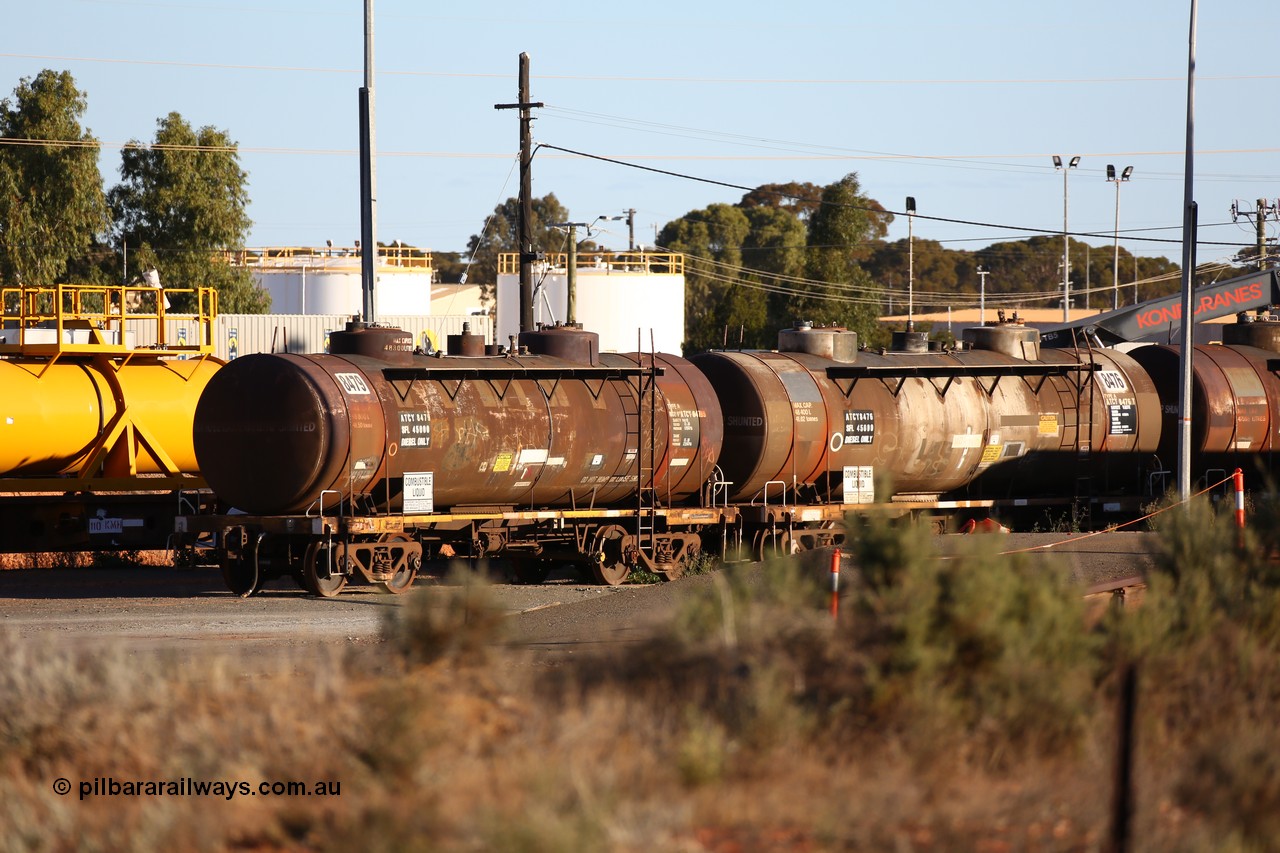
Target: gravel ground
155, 607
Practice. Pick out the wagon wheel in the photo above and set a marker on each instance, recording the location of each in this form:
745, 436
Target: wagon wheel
773, 543
609, 548
241, 574
677, 569
406, 568
322, 572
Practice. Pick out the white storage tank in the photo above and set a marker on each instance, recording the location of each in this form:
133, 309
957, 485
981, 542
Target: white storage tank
619, 294
305, 280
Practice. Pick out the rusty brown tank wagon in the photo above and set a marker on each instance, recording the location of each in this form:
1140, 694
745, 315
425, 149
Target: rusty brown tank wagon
514, 455
819, 421
362, 463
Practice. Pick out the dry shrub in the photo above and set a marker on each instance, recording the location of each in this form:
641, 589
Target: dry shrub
978, 644
1207, 639
955, 704
457, 621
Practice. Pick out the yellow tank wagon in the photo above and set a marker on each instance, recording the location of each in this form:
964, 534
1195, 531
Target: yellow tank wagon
98, 387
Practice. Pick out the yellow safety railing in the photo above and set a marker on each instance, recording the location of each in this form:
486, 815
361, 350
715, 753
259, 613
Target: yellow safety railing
630, 262
325, 257
92, 319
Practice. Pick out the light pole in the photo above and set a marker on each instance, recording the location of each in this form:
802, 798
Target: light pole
1066, 239
911, 264
1115, 264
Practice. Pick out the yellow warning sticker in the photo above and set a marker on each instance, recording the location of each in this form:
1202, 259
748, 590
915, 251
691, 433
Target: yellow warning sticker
503, 462
1048, 424
991, 453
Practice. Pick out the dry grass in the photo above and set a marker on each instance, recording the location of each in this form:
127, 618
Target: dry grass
956, 705
84, 559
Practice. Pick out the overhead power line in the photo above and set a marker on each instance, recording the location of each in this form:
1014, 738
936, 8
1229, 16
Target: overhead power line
878, 211
620, 78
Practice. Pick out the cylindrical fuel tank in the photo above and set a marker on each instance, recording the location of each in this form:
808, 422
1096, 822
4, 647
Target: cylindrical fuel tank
52, 415
787, 422
275, 431
931, 422
1233, 400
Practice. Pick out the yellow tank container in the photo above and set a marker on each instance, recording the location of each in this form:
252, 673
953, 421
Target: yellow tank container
99, 417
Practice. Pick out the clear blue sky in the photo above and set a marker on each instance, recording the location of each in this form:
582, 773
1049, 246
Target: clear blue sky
960, 105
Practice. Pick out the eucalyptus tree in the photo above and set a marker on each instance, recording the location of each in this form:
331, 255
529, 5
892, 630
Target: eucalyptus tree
51, 201
843, 233
724, 302
500, 234
181, 207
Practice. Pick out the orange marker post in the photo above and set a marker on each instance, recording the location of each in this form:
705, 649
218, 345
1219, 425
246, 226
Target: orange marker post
835, 584
1237, 480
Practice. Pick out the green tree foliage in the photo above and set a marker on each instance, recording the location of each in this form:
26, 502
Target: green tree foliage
51, 201
841, 238
719, 303
449, 266
801, 200
785, 252
180, 203
501, 234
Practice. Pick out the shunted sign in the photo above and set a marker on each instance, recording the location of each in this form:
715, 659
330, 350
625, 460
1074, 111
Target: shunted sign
420, 491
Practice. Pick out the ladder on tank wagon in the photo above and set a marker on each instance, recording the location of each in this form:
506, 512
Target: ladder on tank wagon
641, 427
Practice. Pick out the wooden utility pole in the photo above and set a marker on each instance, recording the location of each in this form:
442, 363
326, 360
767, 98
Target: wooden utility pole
524, 221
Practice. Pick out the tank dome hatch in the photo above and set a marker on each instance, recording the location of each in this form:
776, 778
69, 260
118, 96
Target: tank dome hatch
467, 343
834, 342
1261, 332
910, 341
568, 342
385, 343
1009, 337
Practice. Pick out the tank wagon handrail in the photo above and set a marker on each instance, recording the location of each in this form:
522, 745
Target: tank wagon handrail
320, 258
91, 319
952, 372
765, 493
718, 488
318, 503
664, 263
520, 371
189, 502
942, 371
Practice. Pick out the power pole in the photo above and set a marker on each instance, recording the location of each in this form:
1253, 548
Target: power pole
1262, 233
631, 228
1264, 209
524, 222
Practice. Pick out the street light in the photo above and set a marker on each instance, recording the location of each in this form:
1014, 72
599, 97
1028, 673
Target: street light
1066, 239
1115, 264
